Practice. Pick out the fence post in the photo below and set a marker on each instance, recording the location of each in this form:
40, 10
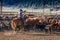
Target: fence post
0, 6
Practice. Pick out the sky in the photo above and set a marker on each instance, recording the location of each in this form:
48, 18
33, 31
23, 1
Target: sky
30, 3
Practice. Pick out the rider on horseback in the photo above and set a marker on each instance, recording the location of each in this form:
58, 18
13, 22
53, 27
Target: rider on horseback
20, 15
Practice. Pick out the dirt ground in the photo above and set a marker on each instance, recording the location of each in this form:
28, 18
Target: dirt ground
12, 35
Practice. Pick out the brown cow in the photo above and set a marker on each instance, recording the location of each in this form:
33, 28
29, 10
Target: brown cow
58, 24
31, 22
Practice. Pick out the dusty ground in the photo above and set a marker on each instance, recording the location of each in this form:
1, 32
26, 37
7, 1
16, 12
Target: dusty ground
11, 35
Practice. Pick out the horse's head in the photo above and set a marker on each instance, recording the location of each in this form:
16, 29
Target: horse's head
25, 16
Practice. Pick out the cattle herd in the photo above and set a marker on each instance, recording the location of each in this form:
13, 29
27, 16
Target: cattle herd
45, 23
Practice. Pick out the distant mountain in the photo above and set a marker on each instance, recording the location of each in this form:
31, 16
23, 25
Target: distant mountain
30, 3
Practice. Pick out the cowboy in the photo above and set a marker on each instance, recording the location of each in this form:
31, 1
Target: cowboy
20, 15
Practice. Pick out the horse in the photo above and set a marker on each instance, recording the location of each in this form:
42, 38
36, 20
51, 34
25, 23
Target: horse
17, 24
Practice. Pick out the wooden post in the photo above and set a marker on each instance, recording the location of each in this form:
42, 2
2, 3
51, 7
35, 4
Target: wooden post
0, 6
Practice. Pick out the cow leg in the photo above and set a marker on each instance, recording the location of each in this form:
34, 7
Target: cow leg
26, 28
51, 30
0, 29
47, 29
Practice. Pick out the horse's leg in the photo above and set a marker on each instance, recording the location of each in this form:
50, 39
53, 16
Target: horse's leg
21, 28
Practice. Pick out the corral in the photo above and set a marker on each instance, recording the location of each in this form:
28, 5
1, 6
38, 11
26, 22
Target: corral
13, 35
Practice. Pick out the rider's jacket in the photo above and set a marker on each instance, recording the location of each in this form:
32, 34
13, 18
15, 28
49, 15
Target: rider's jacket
20, 14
